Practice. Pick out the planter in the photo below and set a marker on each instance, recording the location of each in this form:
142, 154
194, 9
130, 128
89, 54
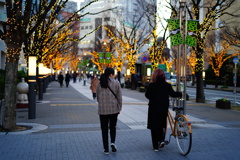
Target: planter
223, 104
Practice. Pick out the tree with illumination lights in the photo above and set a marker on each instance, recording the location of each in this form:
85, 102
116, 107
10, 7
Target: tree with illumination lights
156, 20
216, 59
23, 19
191, 61
213, 10
45, 43
129, 37
15, 31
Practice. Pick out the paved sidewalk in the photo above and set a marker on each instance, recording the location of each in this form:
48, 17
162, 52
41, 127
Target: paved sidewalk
134, 111
67, 128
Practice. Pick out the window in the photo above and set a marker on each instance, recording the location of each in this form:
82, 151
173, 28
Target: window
86, 27
82, 27
107, 19
90, 27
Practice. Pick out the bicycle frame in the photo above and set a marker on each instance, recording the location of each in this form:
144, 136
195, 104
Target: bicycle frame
181, 129
172, 122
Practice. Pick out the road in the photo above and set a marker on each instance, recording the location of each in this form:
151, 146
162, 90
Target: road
213, 95
202, 110
210, 95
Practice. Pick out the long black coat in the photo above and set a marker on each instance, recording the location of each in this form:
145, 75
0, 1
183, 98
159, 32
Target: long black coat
158, 95
67, 78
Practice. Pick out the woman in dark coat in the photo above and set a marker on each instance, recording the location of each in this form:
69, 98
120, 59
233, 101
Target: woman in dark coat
60, 79
67, 78
158, 93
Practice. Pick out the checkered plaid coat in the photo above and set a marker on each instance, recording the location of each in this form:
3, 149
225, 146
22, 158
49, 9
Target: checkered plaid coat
107, 103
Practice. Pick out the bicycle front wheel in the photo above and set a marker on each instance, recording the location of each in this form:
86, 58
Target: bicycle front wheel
183, 134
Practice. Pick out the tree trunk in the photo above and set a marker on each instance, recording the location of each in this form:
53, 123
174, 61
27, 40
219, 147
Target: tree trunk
200, 97
9, 111
217, 80
199, 67
193, 79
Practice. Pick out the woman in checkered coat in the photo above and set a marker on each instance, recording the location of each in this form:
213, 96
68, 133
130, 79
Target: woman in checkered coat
109, 97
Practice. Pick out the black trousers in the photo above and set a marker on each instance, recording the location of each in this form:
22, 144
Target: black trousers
158, 135
61, 83
94, 95
108, 121
67, 83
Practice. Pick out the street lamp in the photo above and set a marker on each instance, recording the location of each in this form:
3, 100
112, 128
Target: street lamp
128, 72
94, 69
182, 56
148, 72
45, 76
203, 75
32, 82
182, 3
40, 79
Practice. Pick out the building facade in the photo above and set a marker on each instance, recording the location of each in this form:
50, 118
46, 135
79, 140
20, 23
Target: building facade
117, 15
3, 18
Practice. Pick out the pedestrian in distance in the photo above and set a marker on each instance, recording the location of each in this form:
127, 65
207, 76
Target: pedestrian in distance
80, 77
74, 77
67, 78
158, 93
60, 79
109, 97
93, 86
84, 79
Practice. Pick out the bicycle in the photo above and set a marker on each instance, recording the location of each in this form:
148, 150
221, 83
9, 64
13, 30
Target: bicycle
181, 129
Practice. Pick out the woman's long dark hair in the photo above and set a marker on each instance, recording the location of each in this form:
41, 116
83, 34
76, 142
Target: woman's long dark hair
158, 76
105, 76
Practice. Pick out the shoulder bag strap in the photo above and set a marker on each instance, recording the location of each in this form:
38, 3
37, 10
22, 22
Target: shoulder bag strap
113, 93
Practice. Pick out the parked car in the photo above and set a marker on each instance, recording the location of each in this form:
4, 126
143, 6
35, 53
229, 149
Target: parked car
173, 80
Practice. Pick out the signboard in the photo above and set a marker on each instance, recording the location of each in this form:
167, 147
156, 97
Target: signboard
145, 59
175, 35
163, 67
192, 26
235, 60
101, 57
108, 57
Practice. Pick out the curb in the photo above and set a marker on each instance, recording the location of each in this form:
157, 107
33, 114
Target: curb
35, 128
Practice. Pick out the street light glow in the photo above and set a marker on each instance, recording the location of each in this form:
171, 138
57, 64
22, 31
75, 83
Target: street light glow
32, 65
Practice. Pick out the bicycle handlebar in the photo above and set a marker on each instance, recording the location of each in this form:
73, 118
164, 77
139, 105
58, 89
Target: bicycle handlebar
176, 108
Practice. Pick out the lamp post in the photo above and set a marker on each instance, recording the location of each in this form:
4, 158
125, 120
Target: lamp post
182, 56
44, 79
203, 75
40, 80
235, 61
105, 55
94, 69
32, 83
